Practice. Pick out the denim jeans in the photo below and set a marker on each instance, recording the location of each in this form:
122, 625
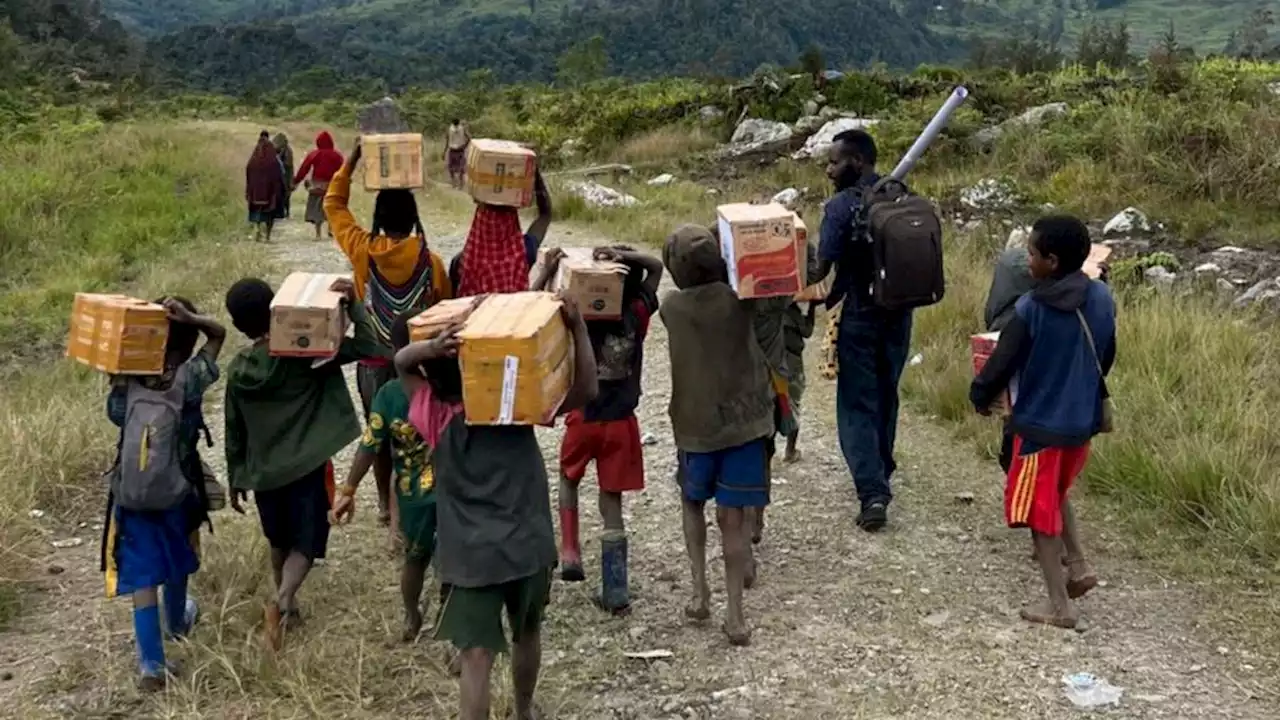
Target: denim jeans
871, 348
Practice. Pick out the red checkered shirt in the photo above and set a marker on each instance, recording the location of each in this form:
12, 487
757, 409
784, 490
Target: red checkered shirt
493, 259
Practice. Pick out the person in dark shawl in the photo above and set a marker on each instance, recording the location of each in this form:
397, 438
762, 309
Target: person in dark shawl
264, 186
285, 153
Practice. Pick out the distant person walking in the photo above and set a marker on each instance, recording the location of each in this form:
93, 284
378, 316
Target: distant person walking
285, 153
322, 163
455, 152
264, 187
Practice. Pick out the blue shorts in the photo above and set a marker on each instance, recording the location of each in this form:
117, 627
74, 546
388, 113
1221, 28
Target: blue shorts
147, 549
735, 477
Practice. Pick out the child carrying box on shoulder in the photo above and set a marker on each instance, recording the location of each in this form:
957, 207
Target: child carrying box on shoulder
497, 545
286, 417
158, 499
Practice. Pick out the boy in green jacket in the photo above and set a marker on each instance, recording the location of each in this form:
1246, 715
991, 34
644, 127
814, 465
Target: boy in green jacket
285, 419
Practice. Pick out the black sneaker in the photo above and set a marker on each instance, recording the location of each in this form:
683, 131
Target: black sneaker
873, 517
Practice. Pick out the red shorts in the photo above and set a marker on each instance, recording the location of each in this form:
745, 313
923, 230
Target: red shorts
1037, 485
614, 445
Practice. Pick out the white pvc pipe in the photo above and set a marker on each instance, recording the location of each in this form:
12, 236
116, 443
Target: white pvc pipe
930, 133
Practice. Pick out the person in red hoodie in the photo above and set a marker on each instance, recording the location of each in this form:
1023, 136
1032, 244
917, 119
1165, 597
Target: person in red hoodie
322, 163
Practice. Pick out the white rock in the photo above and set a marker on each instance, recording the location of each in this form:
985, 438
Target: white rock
1207, 268
787, 198
600, 196
710, 113
1018, 238
662, 180
819, 144
1160, 277
755, 135
990, 194
810, 107
1230, 250
1034, 117
571, 148
1273, 88
1129, 221
808, 124
1262, 291
35, 514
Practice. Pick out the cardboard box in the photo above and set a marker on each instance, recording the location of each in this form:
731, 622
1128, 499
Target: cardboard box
118, 335
596, 286
516, 359
1098, 255
818, 291
435, 319
308, 318
393, 161
501, 172
982, 346
758, 243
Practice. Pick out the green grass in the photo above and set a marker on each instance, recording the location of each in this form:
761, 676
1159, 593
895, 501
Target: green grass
141, 210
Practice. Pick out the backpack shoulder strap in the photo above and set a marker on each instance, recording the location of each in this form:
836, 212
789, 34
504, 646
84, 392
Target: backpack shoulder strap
1088, 334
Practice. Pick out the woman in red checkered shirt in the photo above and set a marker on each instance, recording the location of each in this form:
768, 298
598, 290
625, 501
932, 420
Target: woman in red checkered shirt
497, 254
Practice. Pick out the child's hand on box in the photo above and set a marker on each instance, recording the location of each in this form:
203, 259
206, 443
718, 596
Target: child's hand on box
443, 345
569, 311
346, 287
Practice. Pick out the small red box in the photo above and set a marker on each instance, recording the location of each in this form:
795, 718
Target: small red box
983, 346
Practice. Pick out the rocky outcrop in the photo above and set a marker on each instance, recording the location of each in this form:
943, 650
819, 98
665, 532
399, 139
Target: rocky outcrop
382, 116
819, 144
755, 136
1035, 117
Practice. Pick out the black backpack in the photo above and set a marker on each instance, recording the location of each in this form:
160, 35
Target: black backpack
905, 234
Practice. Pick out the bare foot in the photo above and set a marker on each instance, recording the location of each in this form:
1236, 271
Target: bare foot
698, 608
1082, 580
792, 456
272, 626
739, 635
412, 626
1043, 613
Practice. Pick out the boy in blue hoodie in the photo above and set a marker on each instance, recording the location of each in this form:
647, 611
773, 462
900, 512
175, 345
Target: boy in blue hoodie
1059, 347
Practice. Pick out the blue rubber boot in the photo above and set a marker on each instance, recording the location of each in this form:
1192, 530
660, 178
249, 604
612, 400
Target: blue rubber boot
614, 595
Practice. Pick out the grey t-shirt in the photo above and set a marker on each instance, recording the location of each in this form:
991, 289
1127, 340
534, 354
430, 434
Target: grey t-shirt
1010, 281
493, 506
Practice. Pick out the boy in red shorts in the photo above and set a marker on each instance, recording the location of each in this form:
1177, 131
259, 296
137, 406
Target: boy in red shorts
606, 430
1059, 346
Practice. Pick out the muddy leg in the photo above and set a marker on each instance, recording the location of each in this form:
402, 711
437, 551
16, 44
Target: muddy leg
473, 688
737, 553
1057, 610
1081, 577
412, 576
695, 542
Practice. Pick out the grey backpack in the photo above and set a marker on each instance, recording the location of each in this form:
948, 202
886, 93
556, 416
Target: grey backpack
149, 475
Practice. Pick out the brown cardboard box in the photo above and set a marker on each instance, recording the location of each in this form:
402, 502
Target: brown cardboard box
517, 360
118, 335
818, 291
1098, 255
758, 243
435, 319
982, 346
501, 172
594, 285
307, 316
392, 162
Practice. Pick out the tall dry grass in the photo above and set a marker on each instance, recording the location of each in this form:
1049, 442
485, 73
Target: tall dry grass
143, 210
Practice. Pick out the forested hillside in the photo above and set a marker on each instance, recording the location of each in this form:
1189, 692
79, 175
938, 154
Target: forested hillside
440, 42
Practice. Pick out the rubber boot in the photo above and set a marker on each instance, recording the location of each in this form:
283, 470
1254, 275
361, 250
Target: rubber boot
570, 548
614, 595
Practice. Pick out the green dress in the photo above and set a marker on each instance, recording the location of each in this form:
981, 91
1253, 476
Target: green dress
412, 472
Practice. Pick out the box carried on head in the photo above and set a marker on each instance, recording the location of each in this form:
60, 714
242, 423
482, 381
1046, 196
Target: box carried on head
516, 356
500, 172
595, 285
118, 335
393, 161
308, 318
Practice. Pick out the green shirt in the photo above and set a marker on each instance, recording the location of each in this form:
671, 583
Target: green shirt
410, 457
287, 417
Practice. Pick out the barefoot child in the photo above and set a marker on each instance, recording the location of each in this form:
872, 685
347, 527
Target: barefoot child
1059, 345
389, 427
395, 271
722, 413
606, 431
493, 507
157, 499
285, 419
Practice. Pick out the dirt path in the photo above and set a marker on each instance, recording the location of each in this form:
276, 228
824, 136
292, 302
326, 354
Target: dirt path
918, 622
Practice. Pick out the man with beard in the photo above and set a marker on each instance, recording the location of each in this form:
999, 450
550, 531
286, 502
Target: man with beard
872, 342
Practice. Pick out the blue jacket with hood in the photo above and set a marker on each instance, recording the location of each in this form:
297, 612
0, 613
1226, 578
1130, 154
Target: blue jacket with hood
1044, 349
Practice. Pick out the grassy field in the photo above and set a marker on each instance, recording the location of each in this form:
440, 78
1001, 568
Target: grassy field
143, 210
